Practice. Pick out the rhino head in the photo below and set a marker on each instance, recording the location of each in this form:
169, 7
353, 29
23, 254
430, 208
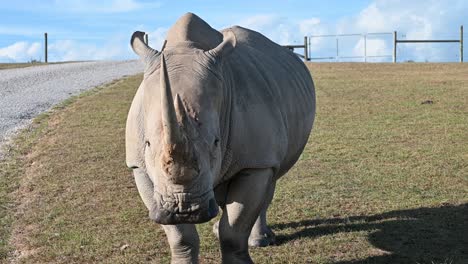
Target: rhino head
174, 129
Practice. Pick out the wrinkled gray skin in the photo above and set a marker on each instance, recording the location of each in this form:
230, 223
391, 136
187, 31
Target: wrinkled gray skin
218, 118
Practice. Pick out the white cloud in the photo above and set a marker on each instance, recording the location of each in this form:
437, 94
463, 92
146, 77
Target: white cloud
374, 47
418, 19
113, 48
261, 22
34, 49
282, 29
287, 31
313, 27
157, 37
21, 51
124, 6
275, 27
72, 50
106, 6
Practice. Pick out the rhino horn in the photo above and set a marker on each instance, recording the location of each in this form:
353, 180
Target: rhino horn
139, 46
171, 130
180, 111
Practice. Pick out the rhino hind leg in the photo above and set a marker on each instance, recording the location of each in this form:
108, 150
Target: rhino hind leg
241, 212
261, 234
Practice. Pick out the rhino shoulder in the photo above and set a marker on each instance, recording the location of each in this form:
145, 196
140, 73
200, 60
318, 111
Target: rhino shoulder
134, 133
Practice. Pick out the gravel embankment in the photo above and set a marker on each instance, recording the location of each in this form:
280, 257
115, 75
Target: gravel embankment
27, 92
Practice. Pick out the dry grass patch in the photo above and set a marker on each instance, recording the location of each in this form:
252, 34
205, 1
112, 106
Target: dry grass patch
4, 66
383, 179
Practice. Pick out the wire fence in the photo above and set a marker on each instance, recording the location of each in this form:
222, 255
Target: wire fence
459, 41
350, 47
384, 47
367, 47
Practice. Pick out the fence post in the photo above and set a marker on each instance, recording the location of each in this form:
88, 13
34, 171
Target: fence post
461, 44
365, 47
337, 52
306, 51
394, 46
146, 39
45, 48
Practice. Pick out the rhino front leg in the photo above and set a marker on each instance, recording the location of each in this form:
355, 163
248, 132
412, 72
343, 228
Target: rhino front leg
145, 187
261, 235
184, 243
245, 199
183, 239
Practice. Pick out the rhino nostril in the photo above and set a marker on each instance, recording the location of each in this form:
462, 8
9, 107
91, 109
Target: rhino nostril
147, 143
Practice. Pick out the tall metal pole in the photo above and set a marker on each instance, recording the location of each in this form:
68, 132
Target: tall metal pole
365, 47
45, 48
461, 43
306, 51
337, 54
394, 46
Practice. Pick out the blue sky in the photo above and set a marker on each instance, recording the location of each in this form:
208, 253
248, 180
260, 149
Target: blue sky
86, 29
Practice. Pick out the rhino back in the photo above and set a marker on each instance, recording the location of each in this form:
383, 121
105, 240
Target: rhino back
273, 104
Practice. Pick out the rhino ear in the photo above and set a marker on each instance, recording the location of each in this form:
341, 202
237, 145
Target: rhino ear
226, 47
140, 48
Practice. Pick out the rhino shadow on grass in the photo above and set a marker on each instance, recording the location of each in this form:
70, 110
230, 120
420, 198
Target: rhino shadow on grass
421, 235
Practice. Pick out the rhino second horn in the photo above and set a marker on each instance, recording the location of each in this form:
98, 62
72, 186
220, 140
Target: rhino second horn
171, 130
139, 46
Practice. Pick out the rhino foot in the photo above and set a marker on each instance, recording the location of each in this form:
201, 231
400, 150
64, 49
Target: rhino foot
265, 239
262, 240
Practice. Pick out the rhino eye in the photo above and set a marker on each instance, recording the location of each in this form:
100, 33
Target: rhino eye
147, 143
216, 142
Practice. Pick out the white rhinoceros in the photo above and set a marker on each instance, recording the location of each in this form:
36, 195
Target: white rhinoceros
218, 118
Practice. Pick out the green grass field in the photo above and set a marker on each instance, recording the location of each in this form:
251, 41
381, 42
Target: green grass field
384, 178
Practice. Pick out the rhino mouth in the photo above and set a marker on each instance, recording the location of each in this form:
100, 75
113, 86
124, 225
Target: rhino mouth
184, 208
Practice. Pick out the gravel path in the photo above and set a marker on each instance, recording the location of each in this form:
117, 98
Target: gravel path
27, 92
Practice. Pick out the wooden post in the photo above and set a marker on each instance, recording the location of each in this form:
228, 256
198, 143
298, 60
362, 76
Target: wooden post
461, 44
306, 53
146, 39
45, 48
395, 41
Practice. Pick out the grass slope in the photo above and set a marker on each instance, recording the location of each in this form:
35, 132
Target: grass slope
4, 66
383, 179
